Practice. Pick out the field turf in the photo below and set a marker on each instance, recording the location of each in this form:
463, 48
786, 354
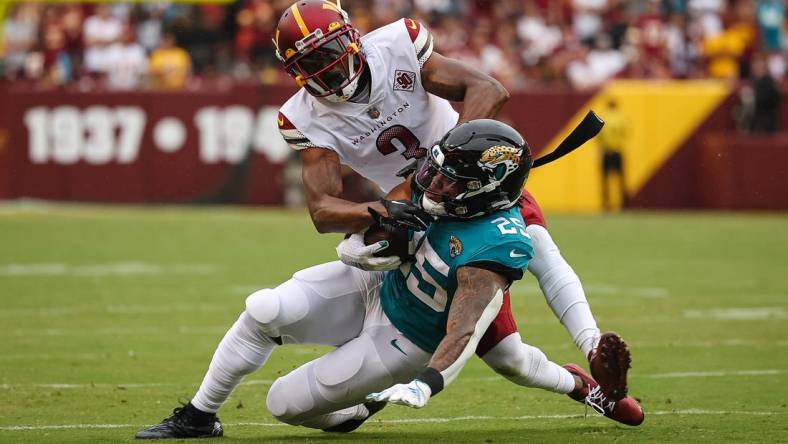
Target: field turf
109, 315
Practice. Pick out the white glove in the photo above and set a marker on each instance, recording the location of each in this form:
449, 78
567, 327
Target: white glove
413, 394
353, 252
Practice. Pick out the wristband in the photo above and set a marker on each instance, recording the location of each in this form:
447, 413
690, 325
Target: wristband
432, 378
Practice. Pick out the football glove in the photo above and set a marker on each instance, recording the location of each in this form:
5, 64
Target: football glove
402, 214
353, 252
414, 394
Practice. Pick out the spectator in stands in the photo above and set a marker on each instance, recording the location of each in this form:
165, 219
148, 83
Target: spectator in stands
587, 18
50, 63
724, 50
771, 18
708, 14
520, 42
170, 65
649, 35
598, 66
149, 25
20, 37
540, 37
72, 19
126, 62
99, 32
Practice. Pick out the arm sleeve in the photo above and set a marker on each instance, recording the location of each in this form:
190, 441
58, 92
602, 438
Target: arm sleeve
295, 139
421, 38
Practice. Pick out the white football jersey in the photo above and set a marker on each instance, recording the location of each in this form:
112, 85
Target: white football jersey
401, 120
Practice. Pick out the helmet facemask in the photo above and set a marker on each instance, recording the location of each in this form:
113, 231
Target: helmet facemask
458, 184
328, 66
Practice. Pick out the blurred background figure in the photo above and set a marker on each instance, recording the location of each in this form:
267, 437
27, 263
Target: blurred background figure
525, 44
20, 37
170, 65
126, 62
767, 98
612, 140
99, 32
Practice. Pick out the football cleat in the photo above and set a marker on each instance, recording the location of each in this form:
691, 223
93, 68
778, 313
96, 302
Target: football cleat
185, 422
626, 411
352, 424
609, 363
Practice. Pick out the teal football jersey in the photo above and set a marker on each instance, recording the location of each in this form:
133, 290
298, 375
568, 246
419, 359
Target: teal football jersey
417, 297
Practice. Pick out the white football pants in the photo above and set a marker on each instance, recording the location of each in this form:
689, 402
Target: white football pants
335, 304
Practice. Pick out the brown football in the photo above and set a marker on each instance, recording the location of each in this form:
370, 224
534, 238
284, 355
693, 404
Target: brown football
398, 241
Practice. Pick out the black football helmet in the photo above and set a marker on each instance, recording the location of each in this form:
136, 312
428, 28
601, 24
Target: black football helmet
477, 168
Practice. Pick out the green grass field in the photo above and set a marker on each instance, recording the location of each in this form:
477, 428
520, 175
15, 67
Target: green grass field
110, 315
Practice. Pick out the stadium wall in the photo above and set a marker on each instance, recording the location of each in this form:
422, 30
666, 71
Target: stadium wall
222, 145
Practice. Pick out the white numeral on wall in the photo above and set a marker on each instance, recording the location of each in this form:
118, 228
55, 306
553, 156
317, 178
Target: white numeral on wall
98, 135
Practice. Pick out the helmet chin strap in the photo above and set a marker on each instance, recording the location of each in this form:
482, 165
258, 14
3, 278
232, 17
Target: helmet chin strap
433, 208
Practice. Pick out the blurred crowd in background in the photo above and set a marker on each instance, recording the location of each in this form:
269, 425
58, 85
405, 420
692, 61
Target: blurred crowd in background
523, 43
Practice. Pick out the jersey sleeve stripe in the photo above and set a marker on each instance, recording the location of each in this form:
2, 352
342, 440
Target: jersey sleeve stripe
294, 138
296, 141
290, 133
421, 39
426, 52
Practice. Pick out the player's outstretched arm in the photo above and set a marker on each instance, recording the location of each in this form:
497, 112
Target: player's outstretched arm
322, 177
482, 95
476, 302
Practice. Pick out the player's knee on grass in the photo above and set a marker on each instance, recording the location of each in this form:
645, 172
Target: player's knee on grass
336, 380
268, 308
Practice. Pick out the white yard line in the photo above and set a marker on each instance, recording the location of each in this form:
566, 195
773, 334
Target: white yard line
716, 373
127, 268
602, 289
738, 314
687, 412
121, 385
767, 372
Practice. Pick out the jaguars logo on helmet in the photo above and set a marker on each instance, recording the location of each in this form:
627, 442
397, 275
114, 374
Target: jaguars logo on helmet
500, 160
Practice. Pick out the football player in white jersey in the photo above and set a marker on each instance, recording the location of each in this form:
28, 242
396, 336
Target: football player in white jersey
374, 103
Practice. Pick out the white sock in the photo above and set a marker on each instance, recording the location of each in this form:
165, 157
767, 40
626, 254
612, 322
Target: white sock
243, 350
562, 290
528, 366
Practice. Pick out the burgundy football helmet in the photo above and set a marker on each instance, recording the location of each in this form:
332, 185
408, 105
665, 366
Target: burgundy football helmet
320, 48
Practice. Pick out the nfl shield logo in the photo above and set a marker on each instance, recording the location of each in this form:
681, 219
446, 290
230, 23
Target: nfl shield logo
404, 80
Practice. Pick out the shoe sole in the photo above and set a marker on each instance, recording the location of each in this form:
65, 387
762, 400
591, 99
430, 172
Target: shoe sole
614, 360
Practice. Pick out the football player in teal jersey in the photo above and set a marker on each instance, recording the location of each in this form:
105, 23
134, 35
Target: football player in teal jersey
446, 298
423, 321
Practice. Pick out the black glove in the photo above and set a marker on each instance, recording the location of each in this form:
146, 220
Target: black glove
402, 214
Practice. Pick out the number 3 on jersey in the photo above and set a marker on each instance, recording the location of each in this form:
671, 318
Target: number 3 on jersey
405, 137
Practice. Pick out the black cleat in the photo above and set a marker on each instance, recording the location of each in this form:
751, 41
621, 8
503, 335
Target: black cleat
185, 422
352, 424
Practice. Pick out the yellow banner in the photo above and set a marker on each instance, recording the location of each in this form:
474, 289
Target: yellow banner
656, 117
